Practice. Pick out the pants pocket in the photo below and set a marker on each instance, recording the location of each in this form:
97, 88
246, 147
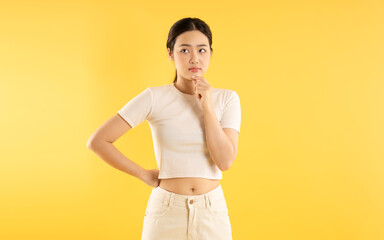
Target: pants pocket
219, 208
156, 207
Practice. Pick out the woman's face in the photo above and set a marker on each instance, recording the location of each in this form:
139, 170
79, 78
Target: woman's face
191, 50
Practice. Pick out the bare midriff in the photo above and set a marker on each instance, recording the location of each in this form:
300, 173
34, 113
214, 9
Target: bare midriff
189, 186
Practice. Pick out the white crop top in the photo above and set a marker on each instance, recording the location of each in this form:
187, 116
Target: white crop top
177, 124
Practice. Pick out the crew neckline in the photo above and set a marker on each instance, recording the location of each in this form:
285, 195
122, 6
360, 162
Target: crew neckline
181, 93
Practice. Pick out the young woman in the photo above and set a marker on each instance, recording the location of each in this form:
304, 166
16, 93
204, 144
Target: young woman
195, 130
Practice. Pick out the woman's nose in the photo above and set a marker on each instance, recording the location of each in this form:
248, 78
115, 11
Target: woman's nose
194, 58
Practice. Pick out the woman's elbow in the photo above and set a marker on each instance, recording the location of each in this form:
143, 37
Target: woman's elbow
227, 165
92, 143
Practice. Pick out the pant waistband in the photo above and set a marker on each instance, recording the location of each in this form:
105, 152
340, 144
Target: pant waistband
202, 200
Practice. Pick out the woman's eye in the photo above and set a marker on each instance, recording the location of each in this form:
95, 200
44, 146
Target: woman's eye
186, 49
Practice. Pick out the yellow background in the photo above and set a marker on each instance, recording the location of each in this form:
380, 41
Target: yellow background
310, 76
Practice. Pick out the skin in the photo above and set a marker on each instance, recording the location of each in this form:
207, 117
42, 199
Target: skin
221, 142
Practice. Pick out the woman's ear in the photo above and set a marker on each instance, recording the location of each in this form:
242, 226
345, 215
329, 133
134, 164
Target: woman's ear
170, 54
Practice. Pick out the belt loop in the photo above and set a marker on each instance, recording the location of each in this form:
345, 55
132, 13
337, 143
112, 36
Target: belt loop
170, 202
209, 199
206, 200
166, 199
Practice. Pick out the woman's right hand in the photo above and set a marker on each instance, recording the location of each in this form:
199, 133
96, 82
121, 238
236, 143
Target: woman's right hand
151, 177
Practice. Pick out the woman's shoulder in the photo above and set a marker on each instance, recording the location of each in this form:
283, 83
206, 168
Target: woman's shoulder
163, 87
223, 92
158, 90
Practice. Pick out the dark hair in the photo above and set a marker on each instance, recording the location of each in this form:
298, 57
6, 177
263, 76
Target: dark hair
187, 24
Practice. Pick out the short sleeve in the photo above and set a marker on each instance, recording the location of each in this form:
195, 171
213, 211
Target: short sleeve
231, 117
138, 108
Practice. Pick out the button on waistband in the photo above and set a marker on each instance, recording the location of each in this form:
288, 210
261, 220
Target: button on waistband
191, 201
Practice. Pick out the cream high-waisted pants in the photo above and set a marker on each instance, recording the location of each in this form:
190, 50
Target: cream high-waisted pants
171, 216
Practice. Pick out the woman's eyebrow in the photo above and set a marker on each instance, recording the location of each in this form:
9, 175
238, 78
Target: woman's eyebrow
188, 45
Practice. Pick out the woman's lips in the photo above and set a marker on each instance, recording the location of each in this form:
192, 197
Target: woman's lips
194, 69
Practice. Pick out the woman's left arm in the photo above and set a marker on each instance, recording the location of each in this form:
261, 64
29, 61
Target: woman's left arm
221, 142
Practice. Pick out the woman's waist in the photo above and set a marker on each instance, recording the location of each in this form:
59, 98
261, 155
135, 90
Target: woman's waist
189, 185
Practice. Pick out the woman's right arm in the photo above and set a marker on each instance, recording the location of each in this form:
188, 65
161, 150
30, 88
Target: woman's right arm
101, 143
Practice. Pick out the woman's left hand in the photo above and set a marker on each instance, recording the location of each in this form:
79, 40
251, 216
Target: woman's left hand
203, 91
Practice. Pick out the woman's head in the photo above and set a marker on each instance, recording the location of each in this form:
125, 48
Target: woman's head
189, 45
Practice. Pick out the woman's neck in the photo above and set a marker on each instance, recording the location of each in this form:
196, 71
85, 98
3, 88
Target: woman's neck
185, 85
